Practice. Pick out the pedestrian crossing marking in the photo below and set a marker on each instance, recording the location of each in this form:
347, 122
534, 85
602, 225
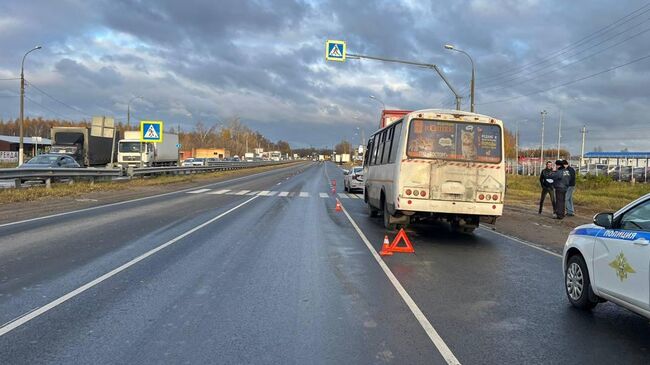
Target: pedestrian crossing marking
323, 195
243, 192
354, 196
267, 193
283, 193
198, 191
304, 194
343, 195
253, 193
219, 192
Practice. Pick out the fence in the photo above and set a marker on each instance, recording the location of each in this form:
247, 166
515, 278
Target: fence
615, 172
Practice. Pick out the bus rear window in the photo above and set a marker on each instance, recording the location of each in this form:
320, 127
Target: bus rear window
458, 141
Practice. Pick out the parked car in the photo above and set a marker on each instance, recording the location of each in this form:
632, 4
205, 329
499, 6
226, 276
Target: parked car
51, 160
194, 162
608, 259
353, 179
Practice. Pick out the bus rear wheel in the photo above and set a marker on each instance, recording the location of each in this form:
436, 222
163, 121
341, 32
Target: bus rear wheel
387, 219
372, 211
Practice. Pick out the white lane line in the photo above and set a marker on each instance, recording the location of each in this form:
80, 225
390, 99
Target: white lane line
198, 191
219, 192
438, 342
323, 195
304, 194
523, 242
242, 192
9, 326
343, 196
224, 182
283, 193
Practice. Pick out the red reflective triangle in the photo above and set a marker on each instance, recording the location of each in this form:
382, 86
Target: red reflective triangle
401, 236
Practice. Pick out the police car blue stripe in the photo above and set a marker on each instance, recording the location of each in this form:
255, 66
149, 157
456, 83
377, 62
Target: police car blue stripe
618, 234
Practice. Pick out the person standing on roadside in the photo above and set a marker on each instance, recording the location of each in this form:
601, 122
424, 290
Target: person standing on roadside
546, 181
570, 211
561, 179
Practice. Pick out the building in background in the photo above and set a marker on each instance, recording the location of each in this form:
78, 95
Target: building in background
9, 147
629, 159
220, 153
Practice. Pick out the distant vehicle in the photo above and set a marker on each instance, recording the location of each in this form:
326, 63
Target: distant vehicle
50, 160
193, 162
153, 154
236, 159
275, 156
353, 179
609, 259
249, 156
436, 164
80, 143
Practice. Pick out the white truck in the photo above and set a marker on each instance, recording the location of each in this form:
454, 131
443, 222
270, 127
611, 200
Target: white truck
249, 156
164, 153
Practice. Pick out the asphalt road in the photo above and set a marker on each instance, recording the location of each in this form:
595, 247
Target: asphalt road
264, 270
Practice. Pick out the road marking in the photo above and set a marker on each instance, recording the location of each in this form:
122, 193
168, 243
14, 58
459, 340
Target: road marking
343, 195
198, 191
253, 193
9, 326
267, 193
523, 242
283, 193
304, 194
242, 192
438, 342
219, 192
324, 195
224, 182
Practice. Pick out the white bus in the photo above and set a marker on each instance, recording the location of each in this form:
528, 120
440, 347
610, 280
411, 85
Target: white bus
436, 164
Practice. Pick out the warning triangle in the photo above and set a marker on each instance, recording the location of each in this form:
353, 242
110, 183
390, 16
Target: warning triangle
401, 236
151, 133
335, 51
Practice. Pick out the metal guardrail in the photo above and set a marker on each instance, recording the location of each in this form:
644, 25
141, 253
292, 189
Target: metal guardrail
67, 173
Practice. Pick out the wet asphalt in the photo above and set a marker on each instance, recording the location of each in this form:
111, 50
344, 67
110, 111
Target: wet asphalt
287, 279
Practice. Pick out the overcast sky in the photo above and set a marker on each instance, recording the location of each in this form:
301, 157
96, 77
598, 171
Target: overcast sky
263, 61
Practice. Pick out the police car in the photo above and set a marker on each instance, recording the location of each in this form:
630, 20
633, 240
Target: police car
610, 259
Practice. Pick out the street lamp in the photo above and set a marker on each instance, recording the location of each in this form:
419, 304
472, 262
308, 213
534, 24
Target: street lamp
378, 100
128, 110
21, 158
452, 48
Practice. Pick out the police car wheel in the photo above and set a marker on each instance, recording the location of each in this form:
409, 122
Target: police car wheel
577, 284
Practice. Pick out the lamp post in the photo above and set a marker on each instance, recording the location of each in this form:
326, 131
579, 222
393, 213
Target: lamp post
128, 110
21, 157
541, 150
452, 48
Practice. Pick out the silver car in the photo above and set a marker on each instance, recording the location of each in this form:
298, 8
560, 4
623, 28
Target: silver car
353, 179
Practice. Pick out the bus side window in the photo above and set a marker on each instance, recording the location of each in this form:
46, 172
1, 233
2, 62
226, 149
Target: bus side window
389, 137
378, 144
368, 152
397, 134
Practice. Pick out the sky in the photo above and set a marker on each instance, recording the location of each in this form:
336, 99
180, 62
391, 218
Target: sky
263, 62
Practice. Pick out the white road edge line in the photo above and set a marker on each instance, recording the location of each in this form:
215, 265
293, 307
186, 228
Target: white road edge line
41, 310
526, 243
138, 199
438, 342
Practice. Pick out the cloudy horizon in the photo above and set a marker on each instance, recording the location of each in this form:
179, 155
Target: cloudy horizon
263, 61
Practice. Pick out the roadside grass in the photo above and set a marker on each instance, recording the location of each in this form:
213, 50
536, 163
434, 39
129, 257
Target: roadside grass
39, 192
8, 165
593, 193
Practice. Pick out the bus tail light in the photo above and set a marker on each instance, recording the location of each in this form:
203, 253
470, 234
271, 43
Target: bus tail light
408, 191
423, 193
481, 197
495, 197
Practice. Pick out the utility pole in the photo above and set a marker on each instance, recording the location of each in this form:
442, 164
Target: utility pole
559, 135
21, 154
582, 149
517, 148
541, 150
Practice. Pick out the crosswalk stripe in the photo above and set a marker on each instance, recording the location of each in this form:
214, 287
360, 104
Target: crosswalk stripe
304, 194
354, 196
243, 192
267, 193
253, 193
283, 193
323, 195
220, 191
342, 195
198, 191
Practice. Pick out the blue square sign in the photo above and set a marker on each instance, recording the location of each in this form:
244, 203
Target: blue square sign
335, 51
151, 131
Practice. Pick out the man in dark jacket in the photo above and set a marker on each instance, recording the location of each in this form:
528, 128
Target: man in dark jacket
570, 211
561, 179
546, 181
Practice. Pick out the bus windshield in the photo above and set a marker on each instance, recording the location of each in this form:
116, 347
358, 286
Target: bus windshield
458, 141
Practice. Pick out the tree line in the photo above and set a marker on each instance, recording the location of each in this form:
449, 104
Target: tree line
232, 135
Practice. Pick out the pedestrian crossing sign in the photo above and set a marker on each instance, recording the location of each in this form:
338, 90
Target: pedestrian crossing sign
335, 51
151, 131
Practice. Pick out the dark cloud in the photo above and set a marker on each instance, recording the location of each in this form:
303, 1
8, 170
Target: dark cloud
263, 61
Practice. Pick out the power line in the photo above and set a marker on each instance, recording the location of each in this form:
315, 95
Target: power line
578, 43
59, 101
569, 82
48, 109
10, 79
